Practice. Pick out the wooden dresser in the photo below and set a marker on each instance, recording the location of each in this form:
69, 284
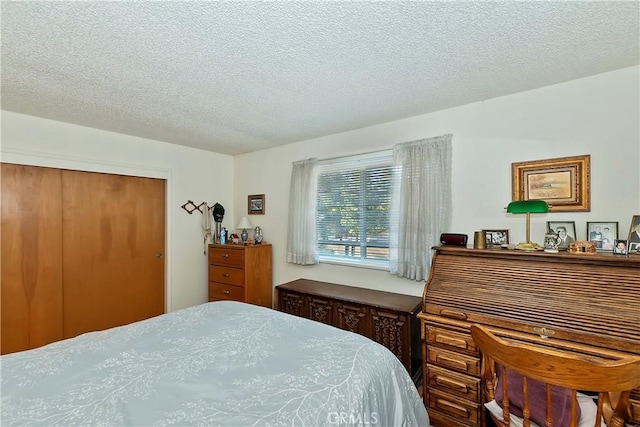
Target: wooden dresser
241, 273
387, 318
584, 304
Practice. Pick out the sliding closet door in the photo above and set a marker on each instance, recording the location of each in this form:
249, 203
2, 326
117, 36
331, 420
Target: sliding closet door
31, 271
113, 246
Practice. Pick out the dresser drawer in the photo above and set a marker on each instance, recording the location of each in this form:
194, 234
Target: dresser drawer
453, 382
220, 291
228, 275
457, 408
461, 362
454, 340
228, 257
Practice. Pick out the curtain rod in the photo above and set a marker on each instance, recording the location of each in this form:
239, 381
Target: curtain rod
356, 154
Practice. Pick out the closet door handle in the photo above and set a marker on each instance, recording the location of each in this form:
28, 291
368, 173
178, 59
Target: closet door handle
159, 255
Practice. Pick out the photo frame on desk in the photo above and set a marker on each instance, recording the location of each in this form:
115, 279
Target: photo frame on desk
566, 231
564, 183
602, 234
255, 204
634, 235
497, 237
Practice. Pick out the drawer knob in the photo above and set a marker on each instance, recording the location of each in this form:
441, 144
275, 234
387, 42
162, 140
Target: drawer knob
225, 255
225, 274
226, 292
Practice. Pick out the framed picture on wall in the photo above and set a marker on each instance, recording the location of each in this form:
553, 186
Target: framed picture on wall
602, 234
566, 231
255, 204
564, 183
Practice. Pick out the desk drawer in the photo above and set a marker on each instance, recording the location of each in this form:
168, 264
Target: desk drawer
461, 362
454, 340
220, 291
456, 407
453, 382
230, 276
229, 257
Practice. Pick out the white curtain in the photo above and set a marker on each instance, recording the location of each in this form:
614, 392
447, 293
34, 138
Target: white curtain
422, 200
301, 232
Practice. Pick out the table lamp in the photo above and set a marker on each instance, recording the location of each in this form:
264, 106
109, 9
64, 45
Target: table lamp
528, 207
244, 225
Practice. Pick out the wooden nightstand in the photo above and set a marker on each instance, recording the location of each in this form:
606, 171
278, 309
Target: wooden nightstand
241, 273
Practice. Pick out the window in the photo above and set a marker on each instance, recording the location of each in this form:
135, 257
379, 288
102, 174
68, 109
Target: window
353, 211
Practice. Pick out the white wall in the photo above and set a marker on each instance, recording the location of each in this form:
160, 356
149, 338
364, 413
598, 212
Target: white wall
191, 174
598, 115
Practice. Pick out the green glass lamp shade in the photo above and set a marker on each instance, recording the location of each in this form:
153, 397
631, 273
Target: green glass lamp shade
528, 207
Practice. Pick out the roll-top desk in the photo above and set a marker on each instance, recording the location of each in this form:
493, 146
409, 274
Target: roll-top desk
585, 304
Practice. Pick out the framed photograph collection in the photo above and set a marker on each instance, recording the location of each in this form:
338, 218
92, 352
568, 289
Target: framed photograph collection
605, 235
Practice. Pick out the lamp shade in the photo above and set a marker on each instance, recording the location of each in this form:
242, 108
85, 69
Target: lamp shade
528, 206
244, 224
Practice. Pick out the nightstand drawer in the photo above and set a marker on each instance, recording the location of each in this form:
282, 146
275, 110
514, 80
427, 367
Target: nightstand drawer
219, 291
229, 257
231, 276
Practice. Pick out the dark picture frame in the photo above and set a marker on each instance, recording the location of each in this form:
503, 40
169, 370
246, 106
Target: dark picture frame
623, 249
568, 226
602, 234
634, 236
497, 237
564, 183
255, 204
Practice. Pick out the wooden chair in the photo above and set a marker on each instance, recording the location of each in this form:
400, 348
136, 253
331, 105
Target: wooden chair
612, 379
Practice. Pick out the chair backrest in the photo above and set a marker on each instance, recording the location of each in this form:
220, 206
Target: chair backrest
611, 379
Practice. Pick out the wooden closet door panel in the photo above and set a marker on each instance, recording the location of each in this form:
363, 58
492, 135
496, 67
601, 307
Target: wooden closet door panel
113, 263
31, 272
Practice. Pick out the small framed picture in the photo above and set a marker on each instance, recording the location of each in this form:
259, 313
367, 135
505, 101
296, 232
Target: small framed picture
634, 248
566, 231
634, 231
620, 247
255, 204
497, 237
602, 234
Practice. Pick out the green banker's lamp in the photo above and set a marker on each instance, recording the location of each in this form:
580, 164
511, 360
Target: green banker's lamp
528, 207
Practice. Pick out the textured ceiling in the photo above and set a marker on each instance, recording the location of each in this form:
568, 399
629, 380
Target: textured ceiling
235, 77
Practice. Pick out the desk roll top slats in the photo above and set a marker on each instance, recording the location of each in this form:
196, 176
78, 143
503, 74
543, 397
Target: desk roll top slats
586, 304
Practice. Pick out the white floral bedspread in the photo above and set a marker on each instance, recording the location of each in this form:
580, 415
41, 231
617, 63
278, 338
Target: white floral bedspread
216, 364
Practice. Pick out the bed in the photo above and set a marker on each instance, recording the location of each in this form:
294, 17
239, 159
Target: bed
217, 364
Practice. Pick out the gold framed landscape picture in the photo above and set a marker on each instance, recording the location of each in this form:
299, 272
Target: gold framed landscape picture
564, 183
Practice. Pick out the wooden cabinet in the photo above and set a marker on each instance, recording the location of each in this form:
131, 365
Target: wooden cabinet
241, 273
387, 318
584, 304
